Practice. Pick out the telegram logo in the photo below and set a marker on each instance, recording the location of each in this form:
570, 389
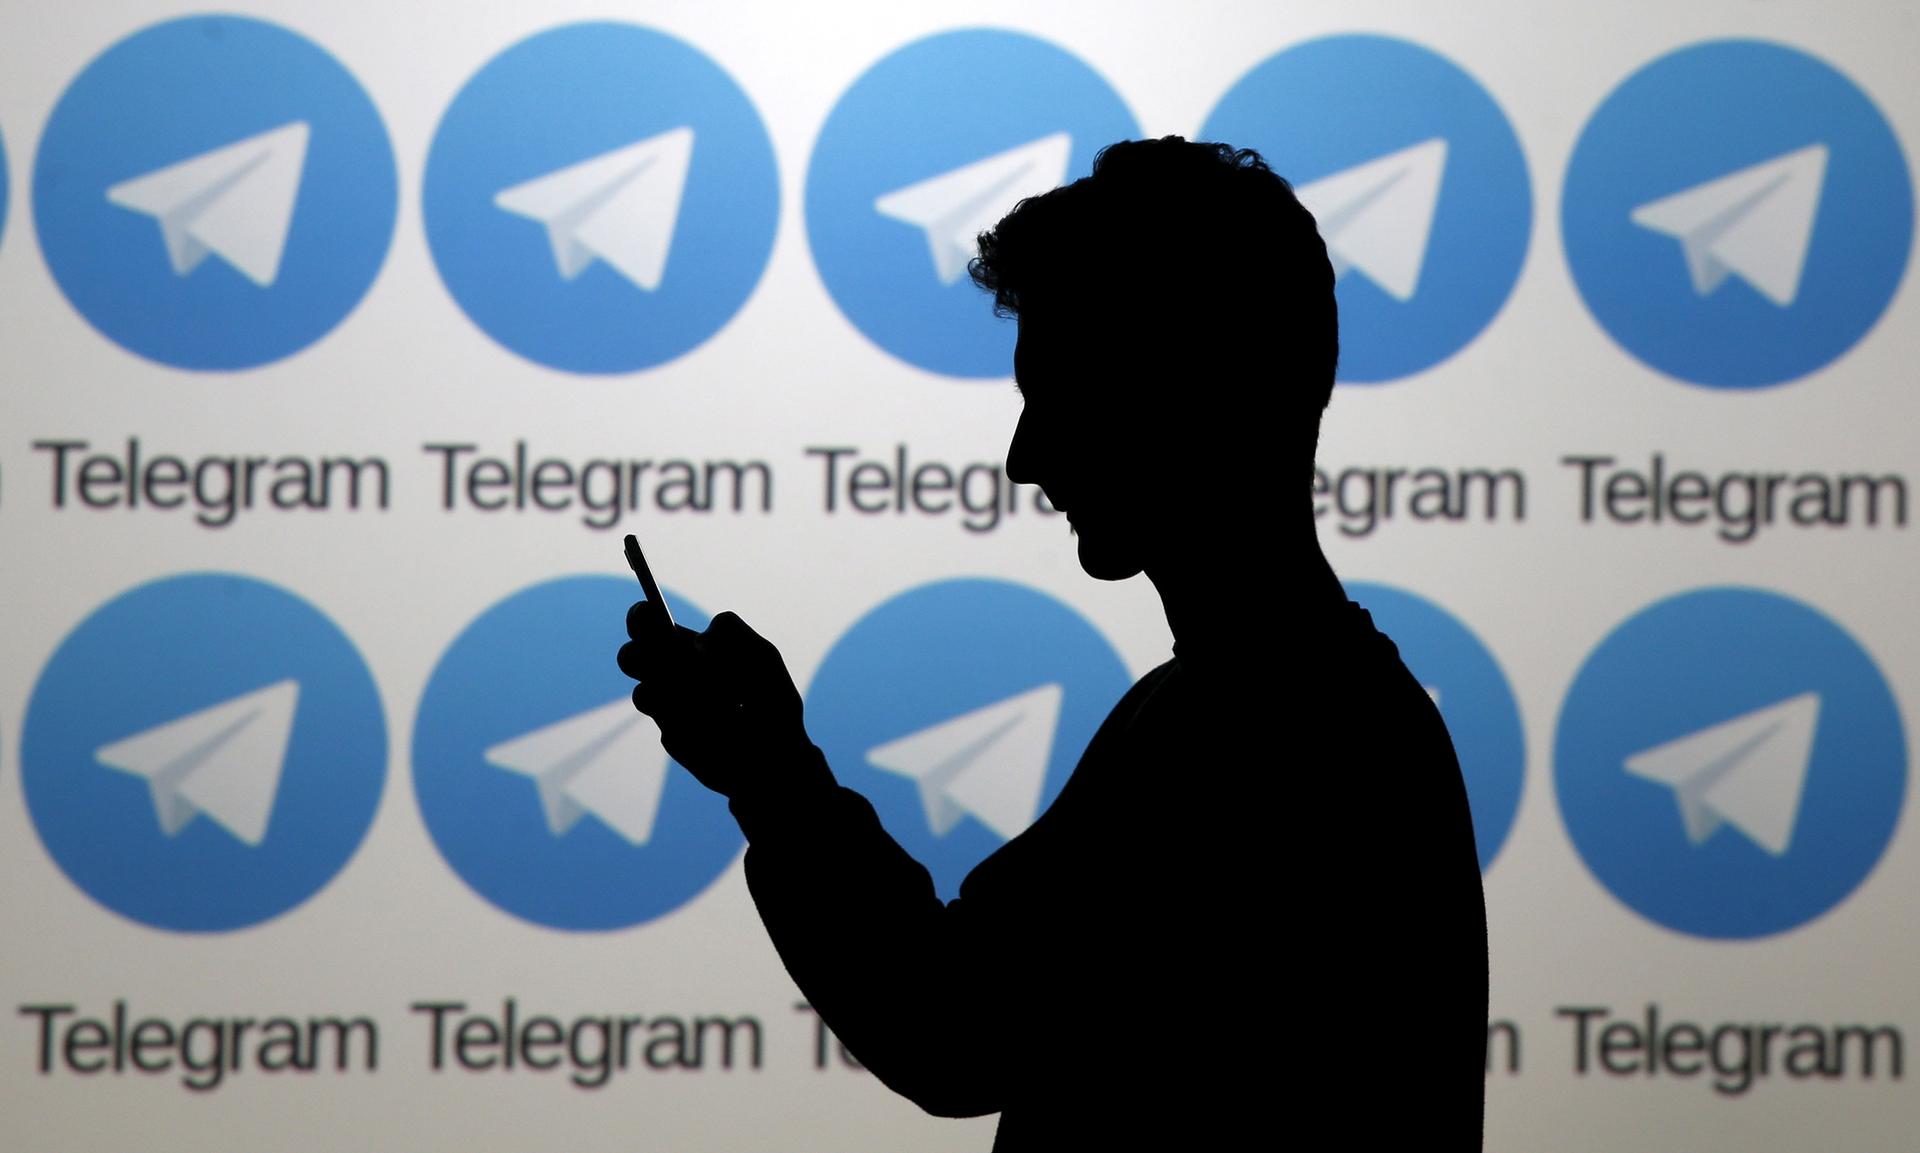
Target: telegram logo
539, 783
989, 764
1463, 679
1730, 763
223, 761
214, 193
236, 201
606, 762
1416, 180
959, 709
619, 207
601, 198
1754, 224
1737, 214
203, 753
954, 208
1377, 217
1749, 771
929, 148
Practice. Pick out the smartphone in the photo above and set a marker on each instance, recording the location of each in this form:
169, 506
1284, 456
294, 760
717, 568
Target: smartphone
637, 561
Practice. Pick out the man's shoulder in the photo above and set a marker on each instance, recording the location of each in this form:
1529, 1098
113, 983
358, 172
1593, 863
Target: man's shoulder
1321, 655
1149, 694
1333, 692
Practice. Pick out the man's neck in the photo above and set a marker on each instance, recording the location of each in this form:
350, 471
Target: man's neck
1226, 599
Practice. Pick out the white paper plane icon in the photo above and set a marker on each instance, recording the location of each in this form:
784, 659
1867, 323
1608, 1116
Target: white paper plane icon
223, 761
1376, 217
606, 761
955, 207
991, 762
1756, 223
1747, 772
620, 207
235, 201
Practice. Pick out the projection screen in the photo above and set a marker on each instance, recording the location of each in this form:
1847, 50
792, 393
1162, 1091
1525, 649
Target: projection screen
342, 342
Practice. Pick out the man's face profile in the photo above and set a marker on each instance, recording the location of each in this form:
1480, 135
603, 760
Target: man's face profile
1084, 438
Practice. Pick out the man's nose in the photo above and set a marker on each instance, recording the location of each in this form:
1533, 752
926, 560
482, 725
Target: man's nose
1021, 462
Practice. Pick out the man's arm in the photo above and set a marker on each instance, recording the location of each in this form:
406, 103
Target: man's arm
908, 983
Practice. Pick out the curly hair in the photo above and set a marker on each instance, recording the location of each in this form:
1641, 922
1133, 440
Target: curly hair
1176, 240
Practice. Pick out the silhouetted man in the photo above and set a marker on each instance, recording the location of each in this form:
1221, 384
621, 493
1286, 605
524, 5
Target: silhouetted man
1254, 912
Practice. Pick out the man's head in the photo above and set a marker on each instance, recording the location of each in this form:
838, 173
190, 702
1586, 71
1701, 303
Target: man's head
1177, 344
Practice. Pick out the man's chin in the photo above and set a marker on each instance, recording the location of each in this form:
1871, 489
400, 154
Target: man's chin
1106, 563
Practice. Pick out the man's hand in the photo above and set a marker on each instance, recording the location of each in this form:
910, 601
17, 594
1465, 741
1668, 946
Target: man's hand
727, 708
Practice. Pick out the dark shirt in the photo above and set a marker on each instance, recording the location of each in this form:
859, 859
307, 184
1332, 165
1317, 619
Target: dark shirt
1253, 911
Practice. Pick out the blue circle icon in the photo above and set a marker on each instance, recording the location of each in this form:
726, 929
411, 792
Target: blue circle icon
539, 783
3, 189
1473, 696
601, 198
203, 753
1730, 763
1737, 214
960, 709
1417, 182
929, 148
214, 192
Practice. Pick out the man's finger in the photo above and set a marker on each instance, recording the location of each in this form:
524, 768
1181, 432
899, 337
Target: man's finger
634, 661
739, 649
751, 663
643, 622
684, 702
728, 629
655, 657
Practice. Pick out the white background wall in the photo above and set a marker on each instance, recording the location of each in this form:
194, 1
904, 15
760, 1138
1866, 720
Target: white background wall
396, 925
